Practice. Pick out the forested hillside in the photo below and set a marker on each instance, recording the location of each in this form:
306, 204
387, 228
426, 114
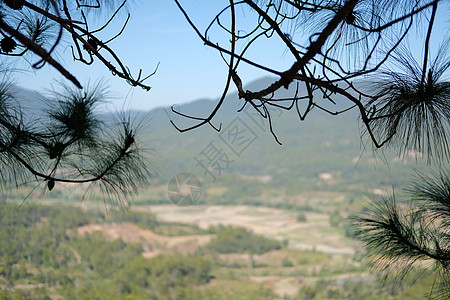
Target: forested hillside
44, 255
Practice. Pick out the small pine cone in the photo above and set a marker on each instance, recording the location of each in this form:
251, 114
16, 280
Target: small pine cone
8, 44
51, 184
350, 19
14, 4
93, 42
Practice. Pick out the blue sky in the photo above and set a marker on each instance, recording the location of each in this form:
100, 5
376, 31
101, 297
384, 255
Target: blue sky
158, 33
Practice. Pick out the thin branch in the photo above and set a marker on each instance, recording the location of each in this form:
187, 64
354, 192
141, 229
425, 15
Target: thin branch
427, 44
41, 52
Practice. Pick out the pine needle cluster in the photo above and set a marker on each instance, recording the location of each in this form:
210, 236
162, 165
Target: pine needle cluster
399, 236
412, 106
72, 144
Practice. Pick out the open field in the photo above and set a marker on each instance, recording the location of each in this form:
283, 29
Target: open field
314, 249
153, 243
96, 249
314, 234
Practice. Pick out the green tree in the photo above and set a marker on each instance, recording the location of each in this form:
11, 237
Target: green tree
301, 217
239, 240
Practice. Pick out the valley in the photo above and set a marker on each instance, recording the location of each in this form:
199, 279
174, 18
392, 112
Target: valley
272, 223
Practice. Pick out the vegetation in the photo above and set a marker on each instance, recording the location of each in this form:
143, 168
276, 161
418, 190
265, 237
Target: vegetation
45, 258
240, 240
414, 232
301, 217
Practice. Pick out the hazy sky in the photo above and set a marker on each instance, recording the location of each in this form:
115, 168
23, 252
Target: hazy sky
158, 32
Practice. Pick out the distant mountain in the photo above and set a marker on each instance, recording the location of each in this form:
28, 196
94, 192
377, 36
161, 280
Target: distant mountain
322, 146
31, 102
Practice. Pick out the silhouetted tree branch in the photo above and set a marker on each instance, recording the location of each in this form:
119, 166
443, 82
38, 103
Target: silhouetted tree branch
333, 45
69, 143
356, 50
68, 17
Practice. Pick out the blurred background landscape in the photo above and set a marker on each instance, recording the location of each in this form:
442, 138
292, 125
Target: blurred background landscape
267, 221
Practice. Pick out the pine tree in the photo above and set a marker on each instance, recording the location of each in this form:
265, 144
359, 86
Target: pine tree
69, 142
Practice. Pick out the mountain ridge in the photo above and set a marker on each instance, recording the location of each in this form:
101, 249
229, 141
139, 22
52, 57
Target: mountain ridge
322, 144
